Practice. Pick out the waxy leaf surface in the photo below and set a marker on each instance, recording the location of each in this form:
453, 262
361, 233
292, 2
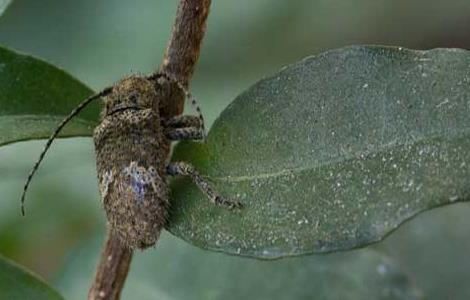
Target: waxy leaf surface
332, 153
35, 96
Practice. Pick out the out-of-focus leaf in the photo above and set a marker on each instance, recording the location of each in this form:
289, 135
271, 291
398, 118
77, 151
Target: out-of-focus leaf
62, 205
433, 249
332, 153
18, 283
3, 5
35, 96
176, 270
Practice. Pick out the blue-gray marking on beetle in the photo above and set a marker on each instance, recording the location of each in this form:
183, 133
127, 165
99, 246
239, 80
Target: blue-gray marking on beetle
140, 177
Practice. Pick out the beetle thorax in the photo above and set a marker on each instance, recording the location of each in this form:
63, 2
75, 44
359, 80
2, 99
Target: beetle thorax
134, 93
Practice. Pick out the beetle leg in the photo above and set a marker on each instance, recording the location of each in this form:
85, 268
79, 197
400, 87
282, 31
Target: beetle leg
184, 127
186, 169
182, 122
187, 133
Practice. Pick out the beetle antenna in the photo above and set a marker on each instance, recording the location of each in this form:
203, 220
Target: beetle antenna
72, 114
195, 105
188, 96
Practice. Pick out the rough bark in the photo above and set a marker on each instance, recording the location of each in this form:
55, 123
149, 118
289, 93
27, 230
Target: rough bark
112, 270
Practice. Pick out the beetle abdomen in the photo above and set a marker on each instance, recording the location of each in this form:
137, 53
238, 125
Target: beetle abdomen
135, 200
130, 165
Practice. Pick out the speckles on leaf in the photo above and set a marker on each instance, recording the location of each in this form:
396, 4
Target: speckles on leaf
360, 139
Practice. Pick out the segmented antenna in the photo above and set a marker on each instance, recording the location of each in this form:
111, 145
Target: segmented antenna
188, 96
74, 112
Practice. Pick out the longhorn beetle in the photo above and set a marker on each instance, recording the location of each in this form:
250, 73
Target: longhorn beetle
130, 145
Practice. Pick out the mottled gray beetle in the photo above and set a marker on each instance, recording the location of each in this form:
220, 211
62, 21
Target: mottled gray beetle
131, 149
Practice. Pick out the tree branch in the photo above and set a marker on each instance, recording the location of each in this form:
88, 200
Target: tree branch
112, 270
179, 62
183, 49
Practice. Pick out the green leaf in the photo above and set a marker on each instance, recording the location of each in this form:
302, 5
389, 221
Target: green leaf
434, 249
18, 283
4, 5
36, 96
332, 153
176, 270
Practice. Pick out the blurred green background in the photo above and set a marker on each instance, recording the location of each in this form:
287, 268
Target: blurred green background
100, 42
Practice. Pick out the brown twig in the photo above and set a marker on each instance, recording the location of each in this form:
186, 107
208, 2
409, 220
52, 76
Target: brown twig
112, 270
183, 50
179, 62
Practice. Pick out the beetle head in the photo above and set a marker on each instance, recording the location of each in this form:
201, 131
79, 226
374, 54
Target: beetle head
133, 92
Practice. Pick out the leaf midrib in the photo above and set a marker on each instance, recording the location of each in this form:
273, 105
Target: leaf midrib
383, 148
